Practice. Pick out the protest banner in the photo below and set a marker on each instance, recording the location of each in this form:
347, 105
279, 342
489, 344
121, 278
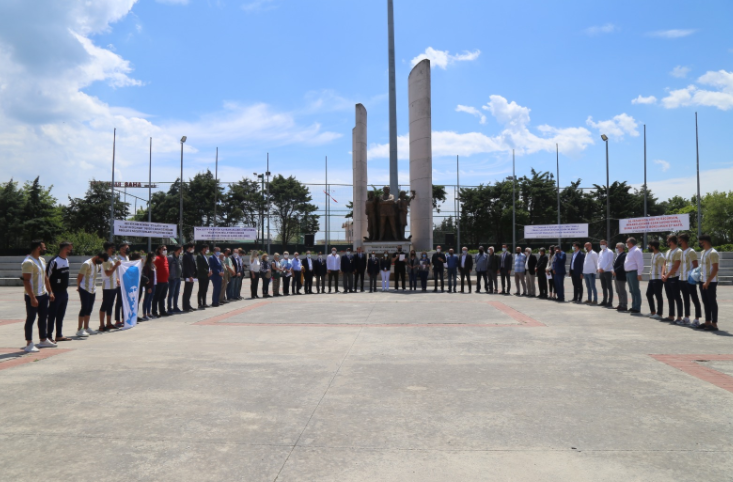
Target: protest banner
145, 230
130, 273
224, 234
655, 224
554, 231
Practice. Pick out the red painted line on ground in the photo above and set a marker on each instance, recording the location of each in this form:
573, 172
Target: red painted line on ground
10, 322
524, 320
29, 358
690, 365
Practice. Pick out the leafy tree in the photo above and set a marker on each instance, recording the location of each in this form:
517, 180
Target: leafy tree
41, 218
243, 203
91, 213
11, 214
291, 207
717, 220
439, 196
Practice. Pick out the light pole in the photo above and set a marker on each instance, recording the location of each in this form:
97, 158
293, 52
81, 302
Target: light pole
216, 194
608, 194
458, 203
697, 151
112, 201
261, 177
514, 206
268, 204
557, 158
180, 197
646, 221
150, 191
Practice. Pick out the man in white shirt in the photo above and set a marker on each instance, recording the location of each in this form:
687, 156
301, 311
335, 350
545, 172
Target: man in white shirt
333, 265
634, 267
605, 273
590, 268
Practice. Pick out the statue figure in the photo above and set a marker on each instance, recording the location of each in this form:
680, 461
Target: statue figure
388, 217
403, 204
372, 214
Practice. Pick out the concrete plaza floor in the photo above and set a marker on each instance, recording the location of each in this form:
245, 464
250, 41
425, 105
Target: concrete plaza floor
372, 387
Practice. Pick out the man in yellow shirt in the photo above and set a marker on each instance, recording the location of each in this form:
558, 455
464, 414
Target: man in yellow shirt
86, 285
37, 295
709, 264
671, 279
689, 291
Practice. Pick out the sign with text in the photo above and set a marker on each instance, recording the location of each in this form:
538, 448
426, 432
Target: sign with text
225, 234
145, 230
655, 224
127, 184
554, 231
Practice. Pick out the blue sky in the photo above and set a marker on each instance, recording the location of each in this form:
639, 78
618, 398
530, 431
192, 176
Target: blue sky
282, 76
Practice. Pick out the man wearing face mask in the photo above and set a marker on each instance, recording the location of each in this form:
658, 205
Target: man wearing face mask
634, 266
174, 279
576, 272
558, 273
451, 263
37, 294
520, 260
438, 263
58, 275
399, 260
123, 251
308, 273
333, 265
217, 274
482, 265
465, 265
320, 271
297, 267
619, 275
373, 272
161, 273
605, 273
360, 265
493, 269
204, 273
189, 275
590, 268
505, 270
109, 288
347, 268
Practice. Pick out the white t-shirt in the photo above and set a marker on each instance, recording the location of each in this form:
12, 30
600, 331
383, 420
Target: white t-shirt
89, 272
707, 260
688, 256
37, 269
656, 270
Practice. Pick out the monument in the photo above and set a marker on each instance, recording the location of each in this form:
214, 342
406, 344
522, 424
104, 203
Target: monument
421, 156
359, 164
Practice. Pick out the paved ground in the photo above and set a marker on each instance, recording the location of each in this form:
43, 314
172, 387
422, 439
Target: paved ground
372, 387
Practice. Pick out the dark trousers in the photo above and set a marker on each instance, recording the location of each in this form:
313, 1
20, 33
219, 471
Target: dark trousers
506, 280
399, 274
674, 298
108, 301
118, 305
308, 282
254, 282
333, 276
216, 289
203, 289
147, 301
690, 291
348, 281
654, 290
320, 282
161, 292
373, 282
452, 279
174, 289
265, 285
296, 282
709, 300
479, 276
577, 287
423, 279
359, 280
56, 313
42, 312
438, 274
286, 280
412, 279
560, 286
187, 291
493, 282
607, 286
542, 283
465, 275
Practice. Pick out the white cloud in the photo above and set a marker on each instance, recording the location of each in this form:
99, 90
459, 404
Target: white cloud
644, 100
674, 33
443, 58
694, 96
710, 180
473, 111
663, 164
515, 135
680, 72
258, 5
616, 127
600, 29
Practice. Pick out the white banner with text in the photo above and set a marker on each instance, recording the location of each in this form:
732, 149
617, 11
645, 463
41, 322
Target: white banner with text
655, 224
225, 234
554, 231
145, 230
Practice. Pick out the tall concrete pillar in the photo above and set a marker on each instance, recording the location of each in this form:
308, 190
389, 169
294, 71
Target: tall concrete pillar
359, 160
421, 157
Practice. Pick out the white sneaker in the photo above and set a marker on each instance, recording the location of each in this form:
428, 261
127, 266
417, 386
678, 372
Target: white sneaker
655, 317
682, 322
686, 319
91, 331
46, 344
82, 334
31, 349
695, 323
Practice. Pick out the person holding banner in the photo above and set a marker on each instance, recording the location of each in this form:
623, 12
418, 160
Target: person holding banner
689, 290
109, 287
189, 275
671, 279
709, 264
217, 273
634, 267
122, 256
655, 286
204, 274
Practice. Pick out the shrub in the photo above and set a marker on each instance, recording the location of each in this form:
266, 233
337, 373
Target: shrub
84, 243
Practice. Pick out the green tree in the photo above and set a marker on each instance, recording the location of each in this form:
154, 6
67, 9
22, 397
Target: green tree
717, 219
290, 200
11, 214
91, 213
41, 218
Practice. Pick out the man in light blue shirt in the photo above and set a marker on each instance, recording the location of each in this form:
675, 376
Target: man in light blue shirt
451, 262
297, 266
519, 261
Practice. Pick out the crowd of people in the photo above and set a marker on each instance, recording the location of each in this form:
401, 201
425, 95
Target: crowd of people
678, 272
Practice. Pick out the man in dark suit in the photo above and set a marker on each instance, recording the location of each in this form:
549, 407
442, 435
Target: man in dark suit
438, 263
203, 273
531, 272
189, 273
465, 265
217, 276
540, 270
493, 269
360, 265
320, 271
576, 272
399, 267
373, 271
347, 268
309, 268
506, 263
558, 273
